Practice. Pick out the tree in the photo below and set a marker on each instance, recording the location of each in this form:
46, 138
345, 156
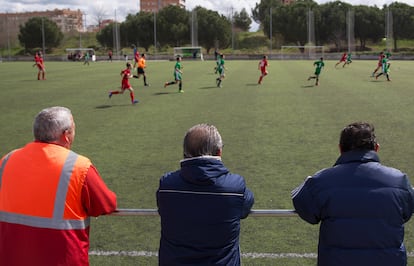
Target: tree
212, 28
106, 36
173, 26
291, 21
369, 24
261, 12
332, 25
402, 19
242, 20
139, 30
99, 14
32, 32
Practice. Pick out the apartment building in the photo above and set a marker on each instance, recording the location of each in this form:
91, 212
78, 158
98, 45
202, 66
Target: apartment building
66, 19
156, 5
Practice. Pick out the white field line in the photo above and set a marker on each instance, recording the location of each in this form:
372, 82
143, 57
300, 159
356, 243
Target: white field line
244, 255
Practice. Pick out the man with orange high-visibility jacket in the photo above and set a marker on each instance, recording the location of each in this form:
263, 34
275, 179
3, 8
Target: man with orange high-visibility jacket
47, 195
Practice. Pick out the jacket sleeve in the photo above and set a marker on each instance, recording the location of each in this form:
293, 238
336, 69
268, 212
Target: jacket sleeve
97, 199
408, 208
248, 203
304, 202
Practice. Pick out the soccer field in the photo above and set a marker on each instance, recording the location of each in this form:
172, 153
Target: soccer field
275, 135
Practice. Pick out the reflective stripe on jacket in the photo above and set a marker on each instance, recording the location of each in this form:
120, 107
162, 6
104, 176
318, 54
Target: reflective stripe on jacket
42, 220
41, 187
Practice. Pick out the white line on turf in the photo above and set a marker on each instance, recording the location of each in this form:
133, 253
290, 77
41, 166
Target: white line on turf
244, 255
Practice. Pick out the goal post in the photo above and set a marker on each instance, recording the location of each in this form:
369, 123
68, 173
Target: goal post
302, 51
195, 53
76, 54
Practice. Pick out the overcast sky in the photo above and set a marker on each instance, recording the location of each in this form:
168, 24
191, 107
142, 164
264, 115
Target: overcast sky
124, 7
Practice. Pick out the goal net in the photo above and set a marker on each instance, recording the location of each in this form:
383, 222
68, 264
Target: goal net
77, 54
189, 53
302, 52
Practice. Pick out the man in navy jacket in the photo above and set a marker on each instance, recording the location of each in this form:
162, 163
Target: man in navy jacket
362, 205
201, 205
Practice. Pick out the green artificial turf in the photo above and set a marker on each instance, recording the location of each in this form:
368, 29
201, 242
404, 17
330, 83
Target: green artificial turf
275, 135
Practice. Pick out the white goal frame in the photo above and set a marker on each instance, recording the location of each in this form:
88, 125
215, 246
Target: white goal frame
294, 51
194, 52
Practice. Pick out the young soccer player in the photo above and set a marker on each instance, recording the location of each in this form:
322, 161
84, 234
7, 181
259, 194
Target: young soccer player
263, 68
385, 68
86, 58
41, 73
220, 70
177, 75
141, 69
348, 59
136, 57
319, 65
379, 65
126, 75
342, 60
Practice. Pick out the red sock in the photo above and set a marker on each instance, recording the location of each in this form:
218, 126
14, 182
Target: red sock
115, 92
132, 96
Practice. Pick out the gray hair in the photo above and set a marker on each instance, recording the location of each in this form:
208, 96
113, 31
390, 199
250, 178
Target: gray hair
51, 122
202, 139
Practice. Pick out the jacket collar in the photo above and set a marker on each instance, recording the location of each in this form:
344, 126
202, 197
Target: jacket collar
362, 156
202, 157
202, 170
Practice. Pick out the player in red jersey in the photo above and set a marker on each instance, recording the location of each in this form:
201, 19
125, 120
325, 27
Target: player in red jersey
342, 60
41, 73
136, 58
263, 64
126, 75
379, 65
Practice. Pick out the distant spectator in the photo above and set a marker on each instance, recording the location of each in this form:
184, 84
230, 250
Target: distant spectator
110, 55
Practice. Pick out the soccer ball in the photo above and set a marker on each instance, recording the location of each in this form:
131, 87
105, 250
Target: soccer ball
384, 39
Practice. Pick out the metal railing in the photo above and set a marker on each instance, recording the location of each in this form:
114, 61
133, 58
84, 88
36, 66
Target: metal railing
154, 212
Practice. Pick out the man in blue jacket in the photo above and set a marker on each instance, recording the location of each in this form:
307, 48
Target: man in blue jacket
362, 205
201, 205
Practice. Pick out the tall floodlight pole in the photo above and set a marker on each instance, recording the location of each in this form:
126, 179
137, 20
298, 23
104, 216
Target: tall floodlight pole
232, 30
43, 35
155, 32
194, 28
388, 30
350, 30
270, 32
85, 28
116, 36
8, 35
311, 33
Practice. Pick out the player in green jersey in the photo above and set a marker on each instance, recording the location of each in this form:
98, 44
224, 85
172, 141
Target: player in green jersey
348, 59
319, 65
220, 70
177, 75
385, 68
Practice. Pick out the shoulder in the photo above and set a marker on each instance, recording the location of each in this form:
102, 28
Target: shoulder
232, 182
169, 178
